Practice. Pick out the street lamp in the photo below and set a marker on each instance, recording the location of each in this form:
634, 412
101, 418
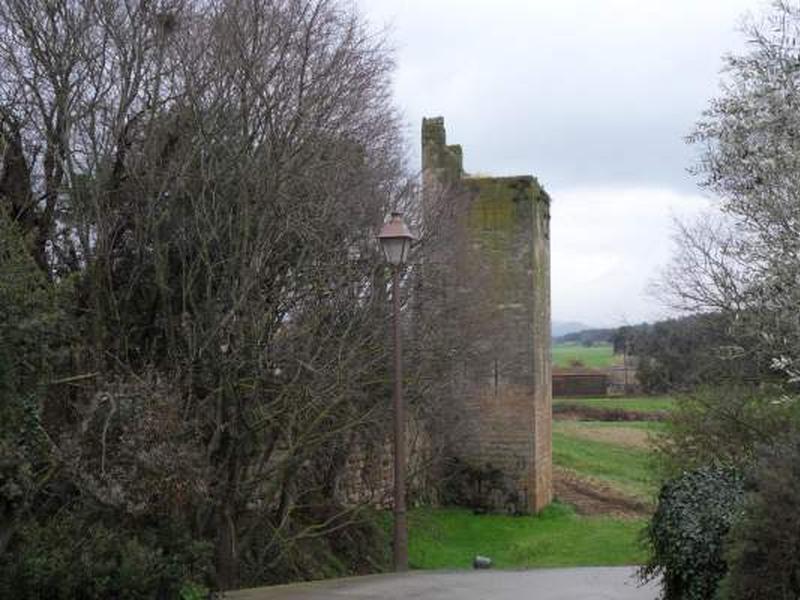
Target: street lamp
396, 241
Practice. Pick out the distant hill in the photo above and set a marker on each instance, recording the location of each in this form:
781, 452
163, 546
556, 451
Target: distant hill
561, 328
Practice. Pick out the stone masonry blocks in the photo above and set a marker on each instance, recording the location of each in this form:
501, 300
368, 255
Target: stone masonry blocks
506, 398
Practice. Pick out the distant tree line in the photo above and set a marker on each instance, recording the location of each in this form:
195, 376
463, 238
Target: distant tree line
681, 354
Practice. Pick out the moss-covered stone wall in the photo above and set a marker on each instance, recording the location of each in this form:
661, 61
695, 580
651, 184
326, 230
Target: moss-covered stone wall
443, 162
506, 396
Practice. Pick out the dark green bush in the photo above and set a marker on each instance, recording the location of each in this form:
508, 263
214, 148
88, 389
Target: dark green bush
68, 558
724, 424
481, 488
687, 532
764, 545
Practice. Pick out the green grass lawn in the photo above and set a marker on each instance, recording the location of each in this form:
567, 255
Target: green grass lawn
557, 537
598, 357
651, 426
642, 404
614, 453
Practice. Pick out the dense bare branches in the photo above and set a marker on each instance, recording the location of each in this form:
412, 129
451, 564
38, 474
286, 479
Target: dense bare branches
705, 274
210, 174
746, 263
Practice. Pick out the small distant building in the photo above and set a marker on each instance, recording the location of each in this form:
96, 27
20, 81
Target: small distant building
576, 382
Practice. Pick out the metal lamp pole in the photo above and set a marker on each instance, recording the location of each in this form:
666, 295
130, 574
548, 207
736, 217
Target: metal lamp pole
400, 523
396, 241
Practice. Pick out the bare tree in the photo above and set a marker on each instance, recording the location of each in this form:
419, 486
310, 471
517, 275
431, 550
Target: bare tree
746, 263
211, 174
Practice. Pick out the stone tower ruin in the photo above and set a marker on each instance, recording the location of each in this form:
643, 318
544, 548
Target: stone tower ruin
504, 396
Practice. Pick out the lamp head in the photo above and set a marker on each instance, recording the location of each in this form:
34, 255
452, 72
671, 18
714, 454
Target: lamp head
395, 239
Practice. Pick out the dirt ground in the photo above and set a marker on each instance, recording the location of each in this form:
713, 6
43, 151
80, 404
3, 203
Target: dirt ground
622, 436
590, 497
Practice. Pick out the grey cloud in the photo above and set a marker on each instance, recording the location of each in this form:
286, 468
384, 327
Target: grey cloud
584, 94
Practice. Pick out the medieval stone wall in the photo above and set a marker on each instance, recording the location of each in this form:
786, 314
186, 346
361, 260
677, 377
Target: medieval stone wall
504, 398
368, 475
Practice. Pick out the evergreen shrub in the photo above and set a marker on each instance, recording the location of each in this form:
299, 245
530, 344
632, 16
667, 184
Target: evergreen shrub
687, 532
764, 545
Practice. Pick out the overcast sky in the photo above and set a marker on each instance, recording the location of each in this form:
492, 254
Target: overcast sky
594, 98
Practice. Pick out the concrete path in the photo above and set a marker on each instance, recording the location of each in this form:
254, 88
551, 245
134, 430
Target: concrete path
596, 583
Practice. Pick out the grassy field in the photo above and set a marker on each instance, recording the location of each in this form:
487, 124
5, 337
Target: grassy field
624, 467
630, 435
640, 404
598, 357
557, 537
615, 454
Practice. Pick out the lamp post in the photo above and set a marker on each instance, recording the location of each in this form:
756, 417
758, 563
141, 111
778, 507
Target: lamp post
396, 241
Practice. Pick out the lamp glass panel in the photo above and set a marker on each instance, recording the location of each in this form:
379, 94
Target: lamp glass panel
406, 250
394, 249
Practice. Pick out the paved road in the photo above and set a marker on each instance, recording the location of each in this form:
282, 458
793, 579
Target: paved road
598, 583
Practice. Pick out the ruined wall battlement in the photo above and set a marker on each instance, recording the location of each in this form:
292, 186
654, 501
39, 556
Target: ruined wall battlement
505, 397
